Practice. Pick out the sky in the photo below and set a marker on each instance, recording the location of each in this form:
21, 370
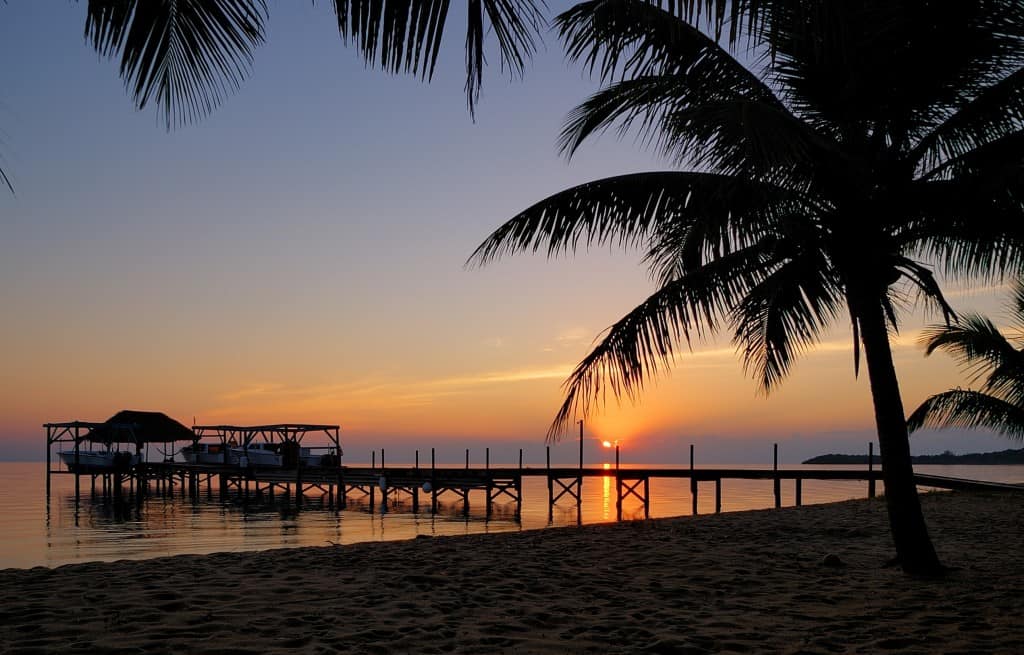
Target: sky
298, 256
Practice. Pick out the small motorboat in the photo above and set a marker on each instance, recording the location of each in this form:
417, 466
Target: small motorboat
98, 461
308, 457
208, 453
259, 454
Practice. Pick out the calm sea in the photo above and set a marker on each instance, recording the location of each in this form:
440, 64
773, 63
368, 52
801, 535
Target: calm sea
36, 533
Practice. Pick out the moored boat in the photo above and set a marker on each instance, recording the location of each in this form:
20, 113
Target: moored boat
92, 461
310, 457
258, 453
208, 453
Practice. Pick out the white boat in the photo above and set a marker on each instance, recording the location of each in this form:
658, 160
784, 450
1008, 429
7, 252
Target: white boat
309, 457
98, 460
208, 453
258, 453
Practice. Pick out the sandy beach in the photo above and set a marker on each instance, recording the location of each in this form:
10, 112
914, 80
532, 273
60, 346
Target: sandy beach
744, 582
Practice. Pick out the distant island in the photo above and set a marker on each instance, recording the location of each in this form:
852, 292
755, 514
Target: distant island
1002, 457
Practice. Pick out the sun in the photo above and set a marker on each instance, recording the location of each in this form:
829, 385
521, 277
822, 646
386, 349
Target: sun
606, 444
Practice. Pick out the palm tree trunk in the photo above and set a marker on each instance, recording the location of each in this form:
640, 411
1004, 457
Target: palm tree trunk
914, 548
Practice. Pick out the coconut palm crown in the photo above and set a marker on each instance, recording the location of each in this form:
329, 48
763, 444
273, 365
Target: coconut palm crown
991, 359
824, 170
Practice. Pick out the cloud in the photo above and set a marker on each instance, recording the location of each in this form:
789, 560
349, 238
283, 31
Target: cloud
265, 398
559, 371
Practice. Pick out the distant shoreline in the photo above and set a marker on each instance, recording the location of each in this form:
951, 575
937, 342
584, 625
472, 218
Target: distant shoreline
1000, 458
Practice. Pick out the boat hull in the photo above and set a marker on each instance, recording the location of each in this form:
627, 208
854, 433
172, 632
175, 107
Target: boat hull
257, 457
97, 461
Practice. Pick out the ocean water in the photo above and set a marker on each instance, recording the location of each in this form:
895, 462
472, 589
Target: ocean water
34, 532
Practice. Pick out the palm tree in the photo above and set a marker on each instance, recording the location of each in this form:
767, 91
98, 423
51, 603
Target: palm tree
855, 146
986, 355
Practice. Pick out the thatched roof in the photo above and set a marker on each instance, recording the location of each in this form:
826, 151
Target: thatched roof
130, 426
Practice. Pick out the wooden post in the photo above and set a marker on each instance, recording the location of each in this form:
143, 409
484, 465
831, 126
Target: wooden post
693, 484
519, 495
777, 483
871, 469
48, 449
647, 498
487, 458
373, 459
519, 488
799, 491
433, 485
417, 459
78, 491
579, 481
551, 491
467, 458
382, 459
718, 495
581, 447
618, 487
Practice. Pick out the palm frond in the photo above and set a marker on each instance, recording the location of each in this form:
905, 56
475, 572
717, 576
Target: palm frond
784, 315
625, 209
722, 220
994, 113
405, 35
975, 343
750, 138
619, 39
996, 159
893, 70
970, 226
962, 408
1017, 308
181, 55
927, 286
644, 342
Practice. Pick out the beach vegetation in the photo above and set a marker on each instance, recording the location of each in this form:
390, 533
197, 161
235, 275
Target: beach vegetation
994, 363
826, 160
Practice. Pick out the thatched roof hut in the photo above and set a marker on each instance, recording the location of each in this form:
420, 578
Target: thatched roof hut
131, 426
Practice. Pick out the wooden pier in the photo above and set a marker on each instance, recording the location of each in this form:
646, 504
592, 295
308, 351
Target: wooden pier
301, 474
382, 487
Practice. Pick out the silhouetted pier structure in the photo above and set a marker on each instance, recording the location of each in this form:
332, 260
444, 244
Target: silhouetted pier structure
382, 485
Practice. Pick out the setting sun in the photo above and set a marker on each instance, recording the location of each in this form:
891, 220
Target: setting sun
606, 444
